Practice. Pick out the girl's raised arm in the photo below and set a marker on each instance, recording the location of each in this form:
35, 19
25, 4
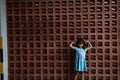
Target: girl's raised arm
90, 45
71, 45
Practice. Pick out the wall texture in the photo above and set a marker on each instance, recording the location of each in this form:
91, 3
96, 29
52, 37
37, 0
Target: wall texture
39, 33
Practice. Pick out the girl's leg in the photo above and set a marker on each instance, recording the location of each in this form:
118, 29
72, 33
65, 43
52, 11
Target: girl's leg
82, 75
76, 75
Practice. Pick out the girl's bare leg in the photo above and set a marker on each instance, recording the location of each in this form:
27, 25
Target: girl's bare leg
76, 75
82, 75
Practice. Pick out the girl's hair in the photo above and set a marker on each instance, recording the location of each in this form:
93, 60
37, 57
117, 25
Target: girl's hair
80, 41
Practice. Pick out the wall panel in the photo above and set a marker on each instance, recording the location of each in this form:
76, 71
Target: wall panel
39, 33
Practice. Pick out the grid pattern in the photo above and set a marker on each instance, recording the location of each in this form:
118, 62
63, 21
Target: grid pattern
39, 32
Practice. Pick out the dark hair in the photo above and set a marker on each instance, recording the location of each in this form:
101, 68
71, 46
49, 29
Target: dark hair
80, 41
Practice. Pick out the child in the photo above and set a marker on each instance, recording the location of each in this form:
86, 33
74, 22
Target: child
80, 62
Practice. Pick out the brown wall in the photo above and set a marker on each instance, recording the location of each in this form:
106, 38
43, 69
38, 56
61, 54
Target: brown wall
39, 33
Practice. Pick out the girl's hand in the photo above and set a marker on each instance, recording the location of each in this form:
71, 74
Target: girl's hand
73, 42
87, 41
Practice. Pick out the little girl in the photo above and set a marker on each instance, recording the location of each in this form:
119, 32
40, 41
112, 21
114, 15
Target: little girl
80, 61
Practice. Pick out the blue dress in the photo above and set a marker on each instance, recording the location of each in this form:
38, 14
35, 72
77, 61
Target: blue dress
80, 61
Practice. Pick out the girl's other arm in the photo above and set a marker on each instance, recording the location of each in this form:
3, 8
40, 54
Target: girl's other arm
71, 45
89, 44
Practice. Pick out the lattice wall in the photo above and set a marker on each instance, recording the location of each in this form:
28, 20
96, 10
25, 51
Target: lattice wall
39, 32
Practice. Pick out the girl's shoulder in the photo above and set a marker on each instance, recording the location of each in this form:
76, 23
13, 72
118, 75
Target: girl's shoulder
85, 49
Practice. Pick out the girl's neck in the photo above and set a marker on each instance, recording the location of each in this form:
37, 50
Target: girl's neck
80, 47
